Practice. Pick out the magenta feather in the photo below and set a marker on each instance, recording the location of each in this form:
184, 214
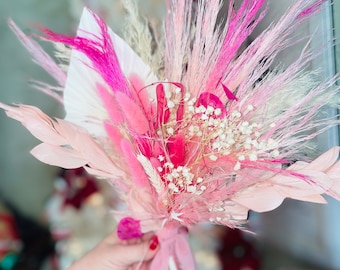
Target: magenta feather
228, 93
100, 50
208, 99
144, 146
161, 105
180, 109
176, 150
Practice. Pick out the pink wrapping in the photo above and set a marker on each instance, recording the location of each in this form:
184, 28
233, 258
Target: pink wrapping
173, 245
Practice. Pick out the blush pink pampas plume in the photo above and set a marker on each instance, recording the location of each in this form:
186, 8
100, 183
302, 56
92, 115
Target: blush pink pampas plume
207, 134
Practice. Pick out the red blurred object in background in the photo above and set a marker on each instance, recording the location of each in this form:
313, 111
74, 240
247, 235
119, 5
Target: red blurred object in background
9, 238
80, 186
236, 252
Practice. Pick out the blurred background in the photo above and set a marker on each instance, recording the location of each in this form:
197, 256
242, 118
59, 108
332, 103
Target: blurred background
43, 209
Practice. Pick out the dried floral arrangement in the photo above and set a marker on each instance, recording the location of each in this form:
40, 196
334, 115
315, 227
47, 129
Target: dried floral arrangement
186, 126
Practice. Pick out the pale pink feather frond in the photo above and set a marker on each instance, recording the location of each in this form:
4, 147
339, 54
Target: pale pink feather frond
325, 161
259, 198
39, 55
64, 137
258, 58
39, 124
178, 20
49, 90
206, 45
58, 156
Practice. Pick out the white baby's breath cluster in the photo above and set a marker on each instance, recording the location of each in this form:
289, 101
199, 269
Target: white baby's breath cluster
181, 179
220, 136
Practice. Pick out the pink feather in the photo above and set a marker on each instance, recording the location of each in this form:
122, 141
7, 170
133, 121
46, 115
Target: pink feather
59, 156
67, 139
141, 94
136, 169
39, 124
180, 108
39, 55
260, 198
111, 104
144, 145
312, 9
240, 25
133, 114
161, 105
100, 51
114, 134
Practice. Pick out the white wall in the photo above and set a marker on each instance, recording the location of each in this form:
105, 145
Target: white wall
24, 180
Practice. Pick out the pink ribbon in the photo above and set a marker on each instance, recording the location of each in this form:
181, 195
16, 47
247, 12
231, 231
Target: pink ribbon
173, 244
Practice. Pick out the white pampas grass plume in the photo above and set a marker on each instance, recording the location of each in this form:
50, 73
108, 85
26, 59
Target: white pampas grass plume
140, 36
